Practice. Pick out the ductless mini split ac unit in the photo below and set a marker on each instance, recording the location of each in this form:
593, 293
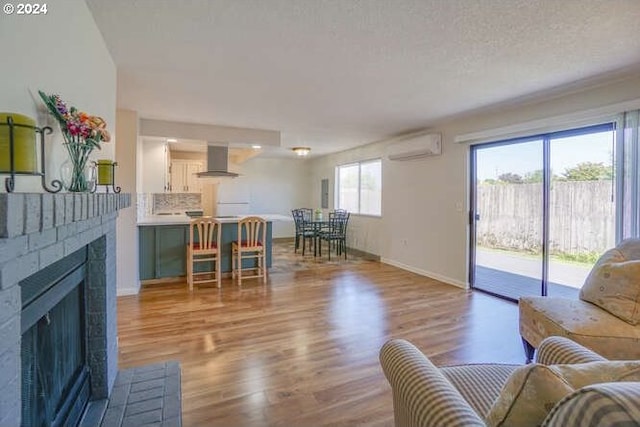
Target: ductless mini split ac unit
416, 147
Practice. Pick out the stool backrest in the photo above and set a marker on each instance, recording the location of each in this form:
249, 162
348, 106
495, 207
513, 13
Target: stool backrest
252, 231
207, 230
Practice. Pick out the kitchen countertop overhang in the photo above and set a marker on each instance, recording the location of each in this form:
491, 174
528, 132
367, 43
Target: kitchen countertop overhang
184, 219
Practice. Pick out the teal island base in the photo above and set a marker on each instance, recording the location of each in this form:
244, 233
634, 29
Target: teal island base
163, 250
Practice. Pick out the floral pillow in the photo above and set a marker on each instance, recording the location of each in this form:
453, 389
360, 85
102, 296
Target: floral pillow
533, 390
614, 282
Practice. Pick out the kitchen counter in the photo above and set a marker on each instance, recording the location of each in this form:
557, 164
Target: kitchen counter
182, 219
163, 240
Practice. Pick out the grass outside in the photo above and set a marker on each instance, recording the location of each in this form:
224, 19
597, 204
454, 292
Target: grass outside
586, 259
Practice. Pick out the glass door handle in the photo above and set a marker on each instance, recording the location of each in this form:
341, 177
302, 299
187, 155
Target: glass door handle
473, 216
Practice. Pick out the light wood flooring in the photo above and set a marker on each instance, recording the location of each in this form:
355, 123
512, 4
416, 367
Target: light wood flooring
302, 350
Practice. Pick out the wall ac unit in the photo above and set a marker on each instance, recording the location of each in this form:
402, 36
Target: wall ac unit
416, 147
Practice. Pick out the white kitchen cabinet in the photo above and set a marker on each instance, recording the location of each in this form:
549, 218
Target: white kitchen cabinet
154, 167
183, 176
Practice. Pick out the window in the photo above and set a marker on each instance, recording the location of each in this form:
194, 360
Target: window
360, 187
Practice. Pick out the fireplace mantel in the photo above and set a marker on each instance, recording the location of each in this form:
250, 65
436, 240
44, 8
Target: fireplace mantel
36, 230
28, 213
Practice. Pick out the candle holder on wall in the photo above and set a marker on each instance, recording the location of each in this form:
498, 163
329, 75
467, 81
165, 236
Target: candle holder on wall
106, 170
18, 151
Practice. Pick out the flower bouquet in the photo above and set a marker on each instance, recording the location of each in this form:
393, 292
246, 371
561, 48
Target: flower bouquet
82, 133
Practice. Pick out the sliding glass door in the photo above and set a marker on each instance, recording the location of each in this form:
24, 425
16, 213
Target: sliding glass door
508, 218
581, 206
542, 211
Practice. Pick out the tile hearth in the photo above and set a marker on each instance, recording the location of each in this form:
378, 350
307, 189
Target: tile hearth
148, 395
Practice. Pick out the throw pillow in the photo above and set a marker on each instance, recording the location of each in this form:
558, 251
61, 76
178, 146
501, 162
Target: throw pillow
614, 283
533, 390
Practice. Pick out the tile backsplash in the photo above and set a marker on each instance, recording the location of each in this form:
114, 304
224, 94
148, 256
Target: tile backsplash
143, 205
176, 202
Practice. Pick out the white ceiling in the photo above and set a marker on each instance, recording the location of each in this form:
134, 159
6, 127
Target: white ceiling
333, 74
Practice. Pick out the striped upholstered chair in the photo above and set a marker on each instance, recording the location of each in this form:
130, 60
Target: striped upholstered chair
487, 394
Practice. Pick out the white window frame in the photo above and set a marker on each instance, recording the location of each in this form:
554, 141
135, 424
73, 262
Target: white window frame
337, 186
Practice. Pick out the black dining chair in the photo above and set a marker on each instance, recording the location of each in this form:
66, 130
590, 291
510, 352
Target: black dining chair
307, 214
335, 233
303, 230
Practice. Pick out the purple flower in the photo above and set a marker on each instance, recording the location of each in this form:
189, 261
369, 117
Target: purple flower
60, 105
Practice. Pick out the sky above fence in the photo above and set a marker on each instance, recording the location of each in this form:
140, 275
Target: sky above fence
523, 158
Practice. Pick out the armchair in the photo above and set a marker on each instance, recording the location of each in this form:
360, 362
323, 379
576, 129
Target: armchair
606, 316
471, 395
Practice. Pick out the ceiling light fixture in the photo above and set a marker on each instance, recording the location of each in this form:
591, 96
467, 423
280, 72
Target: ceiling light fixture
301, 151
172, 140
256, 147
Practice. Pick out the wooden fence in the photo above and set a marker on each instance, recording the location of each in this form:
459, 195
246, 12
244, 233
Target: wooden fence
582, 216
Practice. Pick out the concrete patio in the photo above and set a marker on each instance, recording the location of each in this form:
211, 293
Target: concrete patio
514, 275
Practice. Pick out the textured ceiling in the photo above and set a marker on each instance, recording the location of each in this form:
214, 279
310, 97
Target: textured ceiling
333, 74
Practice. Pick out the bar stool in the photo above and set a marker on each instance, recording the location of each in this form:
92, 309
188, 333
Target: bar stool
206, 231
252, 237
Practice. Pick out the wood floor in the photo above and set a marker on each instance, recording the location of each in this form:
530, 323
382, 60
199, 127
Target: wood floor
302, 350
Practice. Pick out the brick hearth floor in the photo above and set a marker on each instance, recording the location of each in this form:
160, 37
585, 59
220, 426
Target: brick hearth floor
146, 396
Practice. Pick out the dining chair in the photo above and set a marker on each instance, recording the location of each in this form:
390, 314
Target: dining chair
307, 213
335, 233
252, 237
303, 229
203, 247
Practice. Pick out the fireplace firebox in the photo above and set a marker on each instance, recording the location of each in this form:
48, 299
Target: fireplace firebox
55, 372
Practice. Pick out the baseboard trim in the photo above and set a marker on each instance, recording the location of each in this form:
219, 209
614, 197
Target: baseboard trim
431, 275
363, 254
127, 291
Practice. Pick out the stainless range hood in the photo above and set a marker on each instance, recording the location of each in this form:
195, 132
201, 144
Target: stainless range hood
217, 162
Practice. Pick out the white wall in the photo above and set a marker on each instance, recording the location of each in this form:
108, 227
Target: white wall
420, 198
276, 187
126, 227
61, 52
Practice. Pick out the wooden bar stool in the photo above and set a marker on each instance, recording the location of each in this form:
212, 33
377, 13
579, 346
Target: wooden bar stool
203, 246
252, 238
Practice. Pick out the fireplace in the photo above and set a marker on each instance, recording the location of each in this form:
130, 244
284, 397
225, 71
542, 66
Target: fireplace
55, 369
58, 335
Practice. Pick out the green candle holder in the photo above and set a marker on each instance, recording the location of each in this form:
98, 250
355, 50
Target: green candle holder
24, 144
106, 174
18, 150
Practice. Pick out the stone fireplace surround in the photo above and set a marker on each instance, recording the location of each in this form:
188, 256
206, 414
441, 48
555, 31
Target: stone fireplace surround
37, 229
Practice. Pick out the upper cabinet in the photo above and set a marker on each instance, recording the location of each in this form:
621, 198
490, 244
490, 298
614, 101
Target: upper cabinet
183, 176
154, 166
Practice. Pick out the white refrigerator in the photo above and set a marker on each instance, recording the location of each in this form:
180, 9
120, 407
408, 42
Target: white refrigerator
233, 197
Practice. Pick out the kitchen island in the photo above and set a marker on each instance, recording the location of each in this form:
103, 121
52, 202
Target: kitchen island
163, 240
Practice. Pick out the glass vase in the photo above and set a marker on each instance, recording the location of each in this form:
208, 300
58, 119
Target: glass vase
77, 177
77, 174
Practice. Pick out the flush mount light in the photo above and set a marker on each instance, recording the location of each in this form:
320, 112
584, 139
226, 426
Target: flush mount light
172, 140
301, 151
256, 147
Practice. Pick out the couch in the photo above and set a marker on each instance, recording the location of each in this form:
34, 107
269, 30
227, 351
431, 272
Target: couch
585, 389
605, 317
